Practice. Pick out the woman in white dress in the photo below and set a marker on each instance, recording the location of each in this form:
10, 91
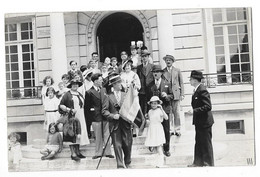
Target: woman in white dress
155, 134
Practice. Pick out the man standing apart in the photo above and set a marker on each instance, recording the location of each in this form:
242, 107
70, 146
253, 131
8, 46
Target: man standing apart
144, 71
174, 76
93, 109
119, 128
203, 121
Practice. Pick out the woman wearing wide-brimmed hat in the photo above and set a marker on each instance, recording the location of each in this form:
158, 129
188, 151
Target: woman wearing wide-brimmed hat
72, 103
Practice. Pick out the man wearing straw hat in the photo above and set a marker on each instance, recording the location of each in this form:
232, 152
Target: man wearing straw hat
174, 76
119, 128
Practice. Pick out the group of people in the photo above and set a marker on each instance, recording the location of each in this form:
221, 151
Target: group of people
90, 98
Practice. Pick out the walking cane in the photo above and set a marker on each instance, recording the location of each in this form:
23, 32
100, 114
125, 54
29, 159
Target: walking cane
104, 148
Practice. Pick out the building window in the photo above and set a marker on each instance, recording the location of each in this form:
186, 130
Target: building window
19, 55
231, 41
235, 127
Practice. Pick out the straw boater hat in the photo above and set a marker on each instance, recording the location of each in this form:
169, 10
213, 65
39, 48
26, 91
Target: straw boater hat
126, 62
144, 53
87, 72
155, 98
114, 79
75, 81
169, 57
196, 74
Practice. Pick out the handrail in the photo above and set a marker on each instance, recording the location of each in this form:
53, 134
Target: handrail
24, 93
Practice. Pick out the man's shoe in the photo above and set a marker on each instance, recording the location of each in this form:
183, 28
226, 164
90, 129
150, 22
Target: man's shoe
110, 156
96, 156
167, 153
192, 165
151, 149
81, 156
177, 133
76, 158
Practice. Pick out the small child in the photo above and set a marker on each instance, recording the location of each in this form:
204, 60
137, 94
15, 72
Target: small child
62, 90
104, 71
74, 71
51, 108
114, 66
54, 143
15, 153
155, 134
65, 79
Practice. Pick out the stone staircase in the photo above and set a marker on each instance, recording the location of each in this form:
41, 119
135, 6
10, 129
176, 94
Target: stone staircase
181, 150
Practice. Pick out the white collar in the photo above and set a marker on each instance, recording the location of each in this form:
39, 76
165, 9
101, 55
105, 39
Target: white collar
158, 81
195, 89
95, 87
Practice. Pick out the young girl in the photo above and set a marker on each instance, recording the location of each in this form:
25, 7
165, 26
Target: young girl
15, 153
54, 143
62, 90
155, 134
51, 108
47, 82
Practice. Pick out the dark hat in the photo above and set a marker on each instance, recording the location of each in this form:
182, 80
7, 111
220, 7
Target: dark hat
157, 68
196, 74
126, 62
170, 57
114, 79
113, 58
145, 52
112, 73
133, 47
75, 81
123, 53
83, 68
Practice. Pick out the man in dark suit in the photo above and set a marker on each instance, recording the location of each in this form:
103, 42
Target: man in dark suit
120, 129
93, 112
144, 71
161, 88
174, 76
203, 121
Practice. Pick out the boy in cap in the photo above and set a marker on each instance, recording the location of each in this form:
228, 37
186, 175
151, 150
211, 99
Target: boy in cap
203, 121
174, 76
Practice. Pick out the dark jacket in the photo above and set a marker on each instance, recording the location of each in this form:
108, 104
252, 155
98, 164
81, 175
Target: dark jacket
93, 104
164, 87
146, 77
67, 101
201, 104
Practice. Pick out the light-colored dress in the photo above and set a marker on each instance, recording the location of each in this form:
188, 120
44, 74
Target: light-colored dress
51, 111
129, 78
15, 153
80, 116
155, 133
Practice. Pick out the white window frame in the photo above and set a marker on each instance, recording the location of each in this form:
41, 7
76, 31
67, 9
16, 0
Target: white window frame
210, 40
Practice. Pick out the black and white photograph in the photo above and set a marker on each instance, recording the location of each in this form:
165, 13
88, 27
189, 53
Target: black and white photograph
123, 90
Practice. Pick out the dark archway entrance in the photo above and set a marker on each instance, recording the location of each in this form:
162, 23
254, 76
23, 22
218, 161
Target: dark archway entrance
115, 34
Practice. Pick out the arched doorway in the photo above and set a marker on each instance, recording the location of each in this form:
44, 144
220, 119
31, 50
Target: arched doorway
115, 34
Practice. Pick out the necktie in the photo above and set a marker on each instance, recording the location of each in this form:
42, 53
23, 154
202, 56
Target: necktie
117, 96
157, 84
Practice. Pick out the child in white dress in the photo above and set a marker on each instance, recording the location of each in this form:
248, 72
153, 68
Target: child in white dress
51, 108
14, 153
155, 134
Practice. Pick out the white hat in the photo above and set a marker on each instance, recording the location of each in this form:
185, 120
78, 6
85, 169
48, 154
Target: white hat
155, 98
87, 72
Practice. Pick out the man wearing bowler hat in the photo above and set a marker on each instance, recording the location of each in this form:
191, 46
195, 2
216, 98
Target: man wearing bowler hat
203, 121
119, 128
162, 88
144, 71
174, 76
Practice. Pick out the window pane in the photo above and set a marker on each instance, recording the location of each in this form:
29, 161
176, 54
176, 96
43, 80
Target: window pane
6, 49
220, 59
218, 31
236, 78
244, 57
30, 25
7, 76
8, 85
217, 17
32, 57
241, 14
7, 67
25, 35
243, 38
25, 48
12, 28
233, 39
6, 37
6, 28
245, 67
219, 40
7, 58
234, 58
14, 58
26, 66
13, 49
24, 26
220, 50
244, 48
27, 83
26, 57
31, 48
31, 34
32, 65
15, 84
221, 69
13, 36
27, 75
14, 67
242, 29
231, 15
15, 76
235, 68
233, 49
232, 30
